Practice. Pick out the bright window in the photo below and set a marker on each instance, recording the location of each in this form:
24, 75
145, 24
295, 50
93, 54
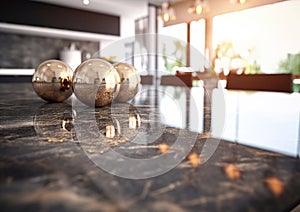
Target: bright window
197, 41
172, 48
262, 35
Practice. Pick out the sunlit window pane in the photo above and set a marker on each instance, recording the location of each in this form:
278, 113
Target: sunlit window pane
172, 48
262, 35
197, 41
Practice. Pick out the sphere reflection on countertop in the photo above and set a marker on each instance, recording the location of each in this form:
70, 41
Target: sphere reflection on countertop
52, 81
96, 129
54, 122
96, 83
129, 119
130, 82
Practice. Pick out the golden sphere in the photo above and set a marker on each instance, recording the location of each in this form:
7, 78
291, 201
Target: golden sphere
130, 82
96, 83
52, 81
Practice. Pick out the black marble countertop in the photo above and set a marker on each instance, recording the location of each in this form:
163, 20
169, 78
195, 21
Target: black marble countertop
57, 157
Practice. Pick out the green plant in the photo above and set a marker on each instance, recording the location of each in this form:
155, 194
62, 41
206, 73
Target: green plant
291, 64
178, 54
253, 68
226, 50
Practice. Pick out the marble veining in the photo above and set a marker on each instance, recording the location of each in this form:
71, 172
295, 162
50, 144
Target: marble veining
45, 164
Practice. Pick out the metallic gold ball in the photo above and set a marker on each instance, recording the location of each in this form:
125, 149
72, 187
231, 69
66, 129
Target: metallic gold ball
52, 81
96, 83
130, 82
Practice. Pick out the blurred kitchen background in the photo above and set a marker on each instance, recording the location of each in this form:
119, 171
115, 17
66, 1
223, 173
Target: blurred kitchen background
27, 51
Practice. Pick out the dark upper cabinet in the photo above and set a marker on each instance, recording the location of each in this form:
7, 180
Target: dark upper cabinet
40, 14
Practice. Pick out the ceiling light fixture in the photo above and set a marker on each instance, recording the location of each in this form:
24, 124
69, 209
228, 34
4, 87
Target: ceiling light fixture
167, 13
86, 2
238, 1
198, 7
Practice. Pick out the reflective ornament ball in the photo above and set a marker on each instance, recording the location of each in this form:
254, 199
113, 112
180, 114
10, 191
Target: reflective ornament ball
130, 82
52, 81
96, 83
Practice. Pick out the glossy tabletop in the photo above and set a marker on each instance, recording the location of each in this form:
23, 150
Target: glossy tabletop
170, 149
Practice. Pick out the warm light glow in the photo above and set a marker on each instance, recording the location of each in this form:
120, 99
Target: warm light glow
232, 172
199, 9
63, 124
172, 14
194, 159
110, 131
163, 148
166, 17
110, 81
167, 12
86, 2
134, 121
64, 75
238, 1
275, 185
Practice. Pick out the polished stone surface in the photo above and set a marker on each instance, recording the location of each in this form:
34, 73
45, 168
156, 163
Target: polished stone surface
48, 153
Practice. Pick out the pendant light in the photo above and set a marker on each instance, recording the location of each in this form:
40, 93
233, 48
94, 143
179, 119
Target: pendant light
167, 12
198, 7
